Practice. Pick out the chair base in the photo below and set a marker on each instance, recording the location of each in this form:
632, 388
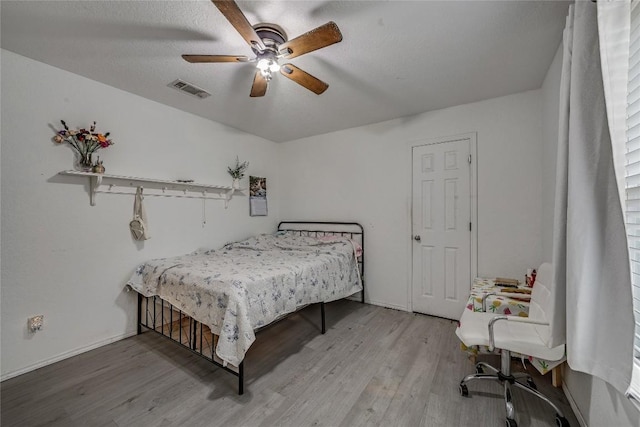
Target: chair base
507, 379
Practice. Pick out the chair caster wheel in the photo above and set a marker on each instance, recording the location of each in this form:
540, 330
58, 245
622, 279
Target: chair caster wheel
531, 384
479, 370
511, 423
561, 421
464, 391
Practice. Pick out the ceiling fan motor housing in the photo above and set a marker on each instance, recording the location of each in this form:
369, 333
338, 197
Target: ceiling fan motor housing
272, 36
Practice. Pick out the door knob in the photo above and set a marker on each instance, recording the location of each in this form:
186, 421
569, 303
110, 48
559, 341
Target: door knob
416, 238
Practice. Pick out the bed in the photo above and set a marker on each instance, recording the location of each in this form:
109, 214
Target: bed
214, 301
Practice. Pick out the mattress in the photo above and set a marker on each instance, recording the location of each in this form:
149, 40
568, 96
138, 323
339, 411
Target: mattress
247, 285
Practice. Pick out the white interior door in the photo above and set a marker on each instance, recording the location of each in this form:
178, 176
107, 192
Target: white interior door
442, 228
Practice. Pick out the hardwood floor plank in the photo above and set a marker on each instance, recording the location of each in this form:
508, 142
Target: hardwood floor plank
342, 377
375, 399
408, 403
374, 366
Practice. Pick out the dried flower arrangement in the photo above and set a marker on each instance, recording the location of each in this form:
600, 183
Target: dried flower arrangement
84, 142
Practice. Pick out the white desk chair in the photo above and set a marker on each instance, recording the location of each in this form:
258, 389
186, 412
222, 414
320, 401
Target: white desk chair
525, 335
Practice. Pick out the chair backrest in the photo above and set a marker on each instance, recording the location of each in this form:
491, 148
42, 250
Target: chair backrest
543, 302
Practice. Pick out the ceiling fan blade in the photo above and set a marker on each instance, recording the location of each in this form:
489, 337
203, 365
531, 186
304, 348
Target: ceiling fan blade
234, 15
303, 78
324, 35
259, 87
214, 58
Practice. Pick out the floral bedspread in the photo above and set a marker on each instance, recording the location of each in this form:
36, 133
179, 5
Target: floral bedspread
245, 285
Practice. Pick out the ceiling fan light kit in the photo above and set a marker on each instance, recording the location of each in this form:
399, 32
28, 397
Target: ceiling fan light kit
270, 43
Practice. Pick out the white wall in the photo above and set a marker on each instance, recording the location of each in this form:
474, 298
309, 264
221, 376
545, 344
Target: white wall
363, 174
597, 403
68, 260
550, 117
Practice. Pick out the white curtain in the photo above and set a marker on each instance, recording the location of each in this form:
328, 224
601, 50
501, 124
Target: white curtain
590, 254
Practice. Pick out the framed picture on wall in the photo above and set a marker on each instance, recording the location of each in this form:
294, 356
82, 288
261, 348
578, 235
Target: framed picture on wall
257, 196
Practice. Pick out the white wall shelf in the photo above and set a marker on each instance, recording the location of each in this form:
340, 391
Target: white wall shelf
105, 183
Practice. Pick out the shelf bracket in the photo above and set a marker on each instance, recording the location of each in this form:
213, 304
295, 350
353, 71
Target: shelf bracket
94, 183
227, 197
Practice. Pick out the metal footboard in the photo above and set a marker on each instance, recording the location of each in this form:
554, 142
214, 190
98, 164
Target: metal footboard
161, 317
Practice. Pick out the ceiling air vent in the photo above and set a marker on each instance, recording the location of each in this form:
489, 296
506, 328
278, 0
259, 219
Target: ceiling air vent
189, 88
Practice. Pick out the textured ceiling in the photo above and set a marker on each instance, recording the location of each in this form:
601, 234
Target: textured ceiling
397, 58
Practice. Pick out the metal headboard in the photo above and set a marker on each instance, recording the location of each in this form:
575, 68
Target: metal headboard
352, 230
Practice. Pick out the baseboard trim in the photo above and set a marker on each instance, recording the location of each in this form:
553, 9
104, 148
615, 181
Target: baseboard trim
66, 355
387, 305
95, 345
573, 405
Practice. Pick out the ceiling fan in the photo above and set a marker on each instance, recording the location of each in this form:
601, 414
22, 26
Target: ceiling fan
270, 44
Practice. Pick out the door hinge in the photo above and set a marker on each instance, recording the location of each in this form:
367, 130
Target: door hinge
469, 226
469, 158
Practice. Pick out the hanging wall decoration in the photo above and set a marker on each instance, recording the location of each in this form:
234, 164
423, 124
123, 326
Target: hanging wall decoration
84, 142
257, 196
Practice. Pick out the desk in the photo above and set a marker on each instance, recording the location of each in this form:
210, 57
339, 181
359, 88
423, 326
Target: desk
509, 306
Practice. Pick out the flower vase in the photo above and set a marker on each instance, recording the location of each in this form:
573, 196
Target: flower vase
236, 184
98, 167
85, 163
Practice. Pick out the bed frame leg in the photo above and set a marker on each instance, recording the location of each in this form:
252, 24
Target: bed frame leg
139, 314
241, 378
194, 334
324, 329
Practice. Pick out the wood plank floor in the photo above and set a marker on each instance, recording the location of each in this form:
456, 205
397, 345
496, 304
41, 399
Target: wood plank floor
374, 366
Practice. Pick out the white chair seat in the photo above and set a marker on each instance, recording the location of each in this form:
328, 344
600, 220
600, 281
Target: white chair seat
514, 336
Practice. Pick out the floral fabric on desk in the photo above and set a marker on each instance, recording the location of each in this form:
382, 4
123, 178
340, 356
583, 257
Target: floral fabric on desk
246, 285
513, 306
510, 306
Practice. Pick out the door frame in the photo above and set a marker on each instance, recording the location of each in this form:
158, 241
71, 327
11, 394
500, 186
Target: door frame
473, 195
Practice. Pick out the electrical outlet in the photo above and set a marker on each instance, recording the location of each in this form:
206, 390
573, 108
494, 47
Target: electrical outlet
35, 323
